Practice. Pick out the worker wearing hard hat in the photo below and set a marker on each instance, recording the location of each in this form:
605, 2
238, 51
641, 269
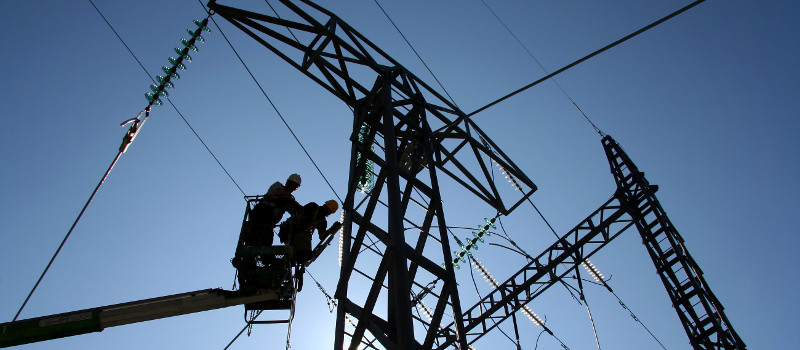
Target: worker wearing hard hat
297, 231
282, 193
269, 211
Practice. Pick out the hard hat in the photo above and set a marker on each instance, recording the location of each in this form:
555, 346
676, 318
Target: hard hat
332, 205
294, 178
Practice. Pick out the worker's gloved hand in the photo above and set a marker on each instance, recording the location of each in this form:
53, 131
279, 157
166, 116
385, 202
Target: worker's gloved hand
335, 227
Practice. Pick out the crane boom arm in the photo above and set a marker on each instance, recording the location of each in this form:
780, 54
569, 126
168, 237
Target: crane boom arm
96, 319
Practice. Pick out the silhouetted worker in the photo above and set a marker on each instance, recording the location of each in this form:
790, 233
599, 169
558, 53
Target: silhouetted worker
267, 213
298, 229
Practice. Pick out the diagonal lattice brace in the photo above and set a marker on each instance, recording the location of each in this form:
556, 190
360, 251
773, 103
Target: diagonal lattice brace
404, 179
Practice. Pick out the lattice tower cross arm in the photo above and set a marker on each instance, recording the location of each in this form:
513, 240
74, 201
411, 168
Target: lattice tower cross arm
330, 52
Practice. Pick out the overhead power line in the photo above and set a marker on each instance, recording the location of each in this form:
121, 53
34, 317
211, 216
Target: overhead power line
274, 107
596, 129
603, 49
168, 100
134, 128
415, 52
136, 124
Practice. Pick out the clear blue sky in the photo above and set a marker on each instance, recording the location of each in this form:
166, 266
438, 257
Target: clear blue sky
706, 104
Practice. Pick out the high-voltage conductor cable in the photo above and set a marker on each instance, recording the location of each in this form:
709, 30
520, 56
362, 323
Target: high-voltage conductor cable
588, 265
240, 332
537, 340
332, 304
487, 276
484, 273
595, 53
285, 123
528, 256
588, 309
168, 100
274, 107
596, 129
129, 136
513, 315
133, 130
279, 16
543, 218
513, 181
187, 124
416, 53
287, 28
600, 279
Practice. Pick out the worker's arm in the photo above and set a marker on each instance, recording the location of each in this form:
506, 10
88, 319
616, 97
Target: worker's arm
321, 227
325, 241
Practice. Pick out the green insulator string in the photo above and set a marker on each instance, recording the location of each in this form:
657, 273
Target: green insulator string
366, 180
158, 91
472, 243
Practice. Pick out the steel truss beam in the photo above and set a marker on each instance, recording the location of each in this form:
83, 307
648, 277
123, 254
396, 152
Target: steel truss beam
547, 269
699, 310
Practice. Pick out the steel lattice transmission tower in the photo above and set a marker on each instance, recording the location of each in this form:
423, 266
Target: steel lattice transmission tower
405, 135
395, 237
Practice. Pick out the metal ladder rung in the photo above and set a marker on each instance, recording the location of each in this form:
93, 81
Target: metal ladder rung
650, 226
706, 331
268, 322
685, 298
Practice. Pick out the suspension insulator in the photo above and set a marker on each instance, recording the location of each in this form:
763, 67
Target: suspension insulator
177, 63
